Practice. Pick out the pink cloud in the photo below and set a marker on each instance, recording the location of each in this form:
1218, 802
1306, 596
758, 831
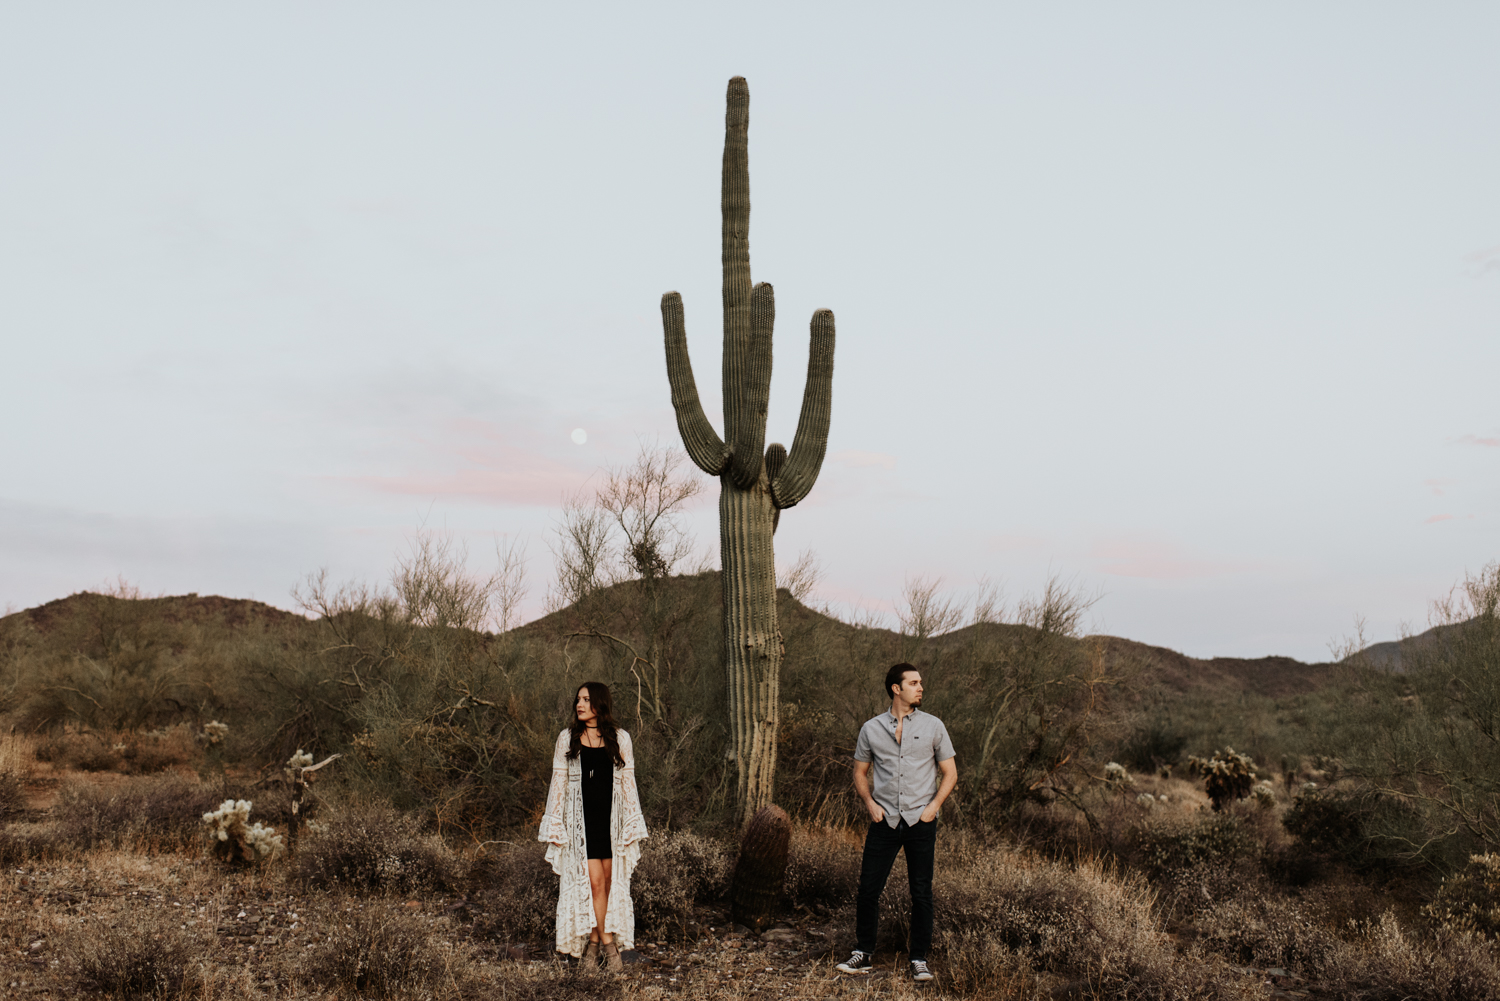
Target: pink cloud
1484, 260
1438, 485
1437, 518
1470, 439
1159, 560
491, 468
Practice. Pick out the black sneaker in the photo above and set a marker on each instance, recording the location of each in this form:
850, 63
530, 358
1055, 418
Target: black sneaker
919, 971
857, 963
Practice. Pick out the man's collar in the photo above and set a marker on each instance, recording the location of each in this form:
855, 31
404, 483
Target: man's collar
891, 713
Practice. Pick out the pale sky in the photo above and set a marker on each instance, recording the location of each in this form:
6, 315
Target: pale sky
1194, 305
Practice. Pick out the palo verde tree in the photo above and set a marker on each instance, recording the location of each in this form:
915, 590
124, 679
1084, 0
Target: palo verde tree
754, 488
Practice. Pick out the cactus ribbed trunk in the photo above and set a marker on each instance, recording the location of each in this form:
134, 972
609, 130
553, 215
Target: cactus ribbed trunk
754, 488
752, 641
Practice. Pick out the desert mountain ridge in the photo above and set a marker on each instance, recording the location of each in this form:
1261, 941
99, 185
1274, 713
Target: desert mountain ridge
1270, 676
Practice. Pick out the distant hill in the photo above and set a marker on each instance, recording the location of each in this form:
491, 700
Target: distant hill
1271, 676
186, 608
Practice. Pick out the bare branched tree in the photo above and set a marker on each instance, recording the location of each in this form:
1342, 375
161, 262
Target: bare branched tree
581, 550
802, 577
629, 530
436, 589
925, 611
989, 604
510, 584
645, 500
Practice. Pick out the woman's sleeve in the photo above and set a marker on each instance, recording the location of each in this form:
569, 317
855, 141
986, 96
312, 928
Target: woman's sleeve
632, 820
552, 830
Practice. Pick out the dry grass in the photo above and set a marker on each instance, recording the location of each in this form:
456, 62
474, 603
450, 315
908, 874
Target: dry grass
17, 754
121, 900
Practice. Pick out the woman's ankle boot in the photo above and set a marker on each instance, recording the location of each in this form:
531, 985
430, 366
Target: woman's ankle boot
591, 955
612, 961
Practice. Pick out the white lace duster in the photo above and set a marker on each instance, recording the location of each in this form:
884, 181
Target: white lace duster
567, 850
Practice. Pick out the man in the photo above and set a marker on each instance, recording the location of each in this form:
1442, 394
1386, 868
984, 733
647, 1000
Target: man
911, 758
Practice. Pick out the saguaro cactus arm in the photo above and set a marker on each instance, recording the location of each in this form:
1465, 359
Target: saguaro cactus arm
800, 472
702, 442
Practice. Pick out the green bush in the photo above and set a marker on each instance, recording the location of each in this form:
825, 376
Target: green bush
1364, 829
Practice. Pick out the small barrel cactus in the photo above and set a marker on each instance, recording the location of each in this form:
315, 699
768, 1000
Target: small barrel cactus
760, 873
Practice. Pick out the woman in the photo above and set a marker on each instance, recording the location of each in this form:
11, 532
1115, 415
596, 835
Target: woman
593, 827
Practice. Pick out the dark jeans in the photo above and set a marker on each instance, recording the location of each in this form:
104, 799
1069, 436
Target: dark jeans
881, 845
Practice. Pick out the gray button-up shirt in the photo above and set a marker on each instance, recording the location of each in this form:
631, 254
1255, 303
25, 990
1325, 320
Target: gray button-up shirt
904, 777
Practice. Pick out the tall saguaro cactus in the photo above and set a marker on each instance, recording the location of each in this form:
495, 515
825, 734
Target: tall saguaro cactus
754, 489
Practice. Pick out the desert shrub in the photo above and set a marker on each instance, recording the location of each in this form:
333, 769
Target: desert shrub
1470, 900
164, 811
974, 965
1156, 743
379, 952
677, 870
1365, 829
376, 848
19, 845
1384, 961
823, 870
1427, 731
514, 895
1034, 701
159, 750
81, 751
574, 982
12, 796
145, 957
1166, 848
1082, 920
1266, 931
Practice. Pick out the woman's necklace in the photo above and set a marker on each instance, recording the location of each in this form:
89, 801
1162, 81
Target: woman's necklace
594, 727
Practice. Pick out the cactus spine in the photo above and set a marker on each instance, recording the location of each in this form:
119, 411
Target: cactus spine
754, 488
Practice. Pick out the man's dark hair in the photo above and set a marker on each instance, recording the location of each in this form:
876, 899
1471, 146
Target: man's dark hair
895, 676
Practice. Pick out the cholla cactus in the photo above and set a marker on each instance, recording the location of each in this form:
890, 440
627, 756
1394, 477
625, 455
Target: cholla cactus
1147, 800
1307, 787
1265, 795
236, 840
299, 760
1116, 777
1229, 776
214, 733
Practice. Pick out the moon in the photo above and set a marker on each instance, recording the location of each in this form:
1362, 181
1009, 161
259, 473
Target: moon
580, 436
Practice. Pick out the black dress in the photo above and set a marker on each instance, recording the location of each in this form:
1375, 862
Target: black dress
598, 796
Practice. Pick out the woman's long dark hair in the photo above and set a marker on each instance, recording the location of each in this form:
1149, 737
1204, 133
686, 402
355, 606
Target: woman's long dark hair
603, 715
